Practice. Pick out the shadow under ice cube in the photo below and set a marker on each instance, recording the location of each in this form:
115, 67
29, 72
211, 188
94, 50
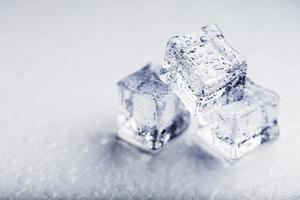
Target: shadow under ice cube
151, 114
239, 127
203, 69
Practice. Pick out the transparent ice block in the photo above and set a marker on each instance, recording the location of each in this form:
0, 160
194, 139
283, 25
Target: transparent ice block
203, 69
151, 114
239, 127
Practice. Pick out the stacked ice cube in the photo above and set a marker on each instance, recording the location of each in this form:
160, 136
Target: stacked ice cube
233, 114
203, 70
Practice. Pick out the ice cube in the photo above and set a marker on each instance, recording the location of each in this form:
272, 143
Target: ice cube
151, 114
203, 69
239, 127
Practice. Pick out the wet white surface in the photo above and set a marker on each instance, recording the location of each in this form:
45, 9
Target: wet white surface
59, 64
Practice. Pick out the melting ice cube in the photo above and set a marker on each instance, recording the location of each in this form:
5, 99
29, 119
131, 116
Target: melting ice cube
151, 114
239, 127
203, 69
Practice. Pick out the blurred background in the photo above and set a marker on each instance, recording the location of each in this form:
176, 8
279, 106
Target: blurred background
59, 64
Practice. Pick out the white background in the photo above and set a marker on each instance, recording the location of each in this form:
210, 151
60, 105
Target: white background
59, 64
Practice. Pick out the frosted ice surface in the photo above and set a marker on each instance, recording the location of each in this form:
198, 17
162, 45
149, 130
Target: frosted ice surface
239, 127
151, 114
203, 69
